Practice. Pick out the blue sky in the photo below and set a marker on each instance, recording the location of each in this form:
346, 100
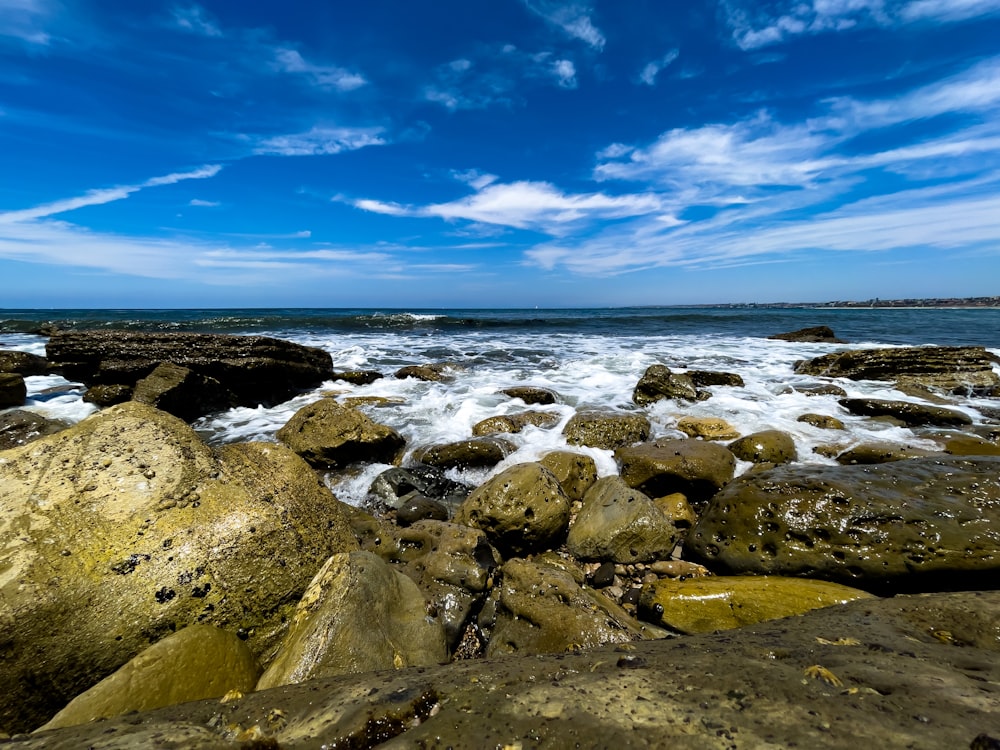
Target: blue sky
508, 153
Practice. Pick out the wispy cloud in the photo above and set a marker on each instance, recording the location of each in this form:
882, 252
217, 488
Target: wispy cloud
565, 73
26, 20
194, 19
573, 18
652, 69
319, 141
203, 203
288, 60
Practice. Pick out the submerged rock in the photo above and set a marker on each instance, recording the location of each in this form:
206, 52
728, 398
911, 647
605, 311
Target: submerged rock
606, 428
331, 436
434, 373
358, 377
531, 394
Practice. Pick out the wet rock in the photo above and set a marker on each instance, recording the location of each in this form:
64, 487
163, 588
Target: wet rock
695, 468
435, 373
530, 394
606, 428
879, 453
857, 673
108, 395
357, 402
824, 389
707, 428
419, 508
194, 663
127, 526
20, 427
658, 382
811, 335
962, 369
823, 421
358, 377
393, 486
358, 615
620, 524
910, 525
574, 471
13, 391
767, 446
542, 610
330, 436
466, 454
677, 510
511, 423
969, 445
182, 392
257, 369
710, 603
521, 509
23, 363
906, 412
703, 378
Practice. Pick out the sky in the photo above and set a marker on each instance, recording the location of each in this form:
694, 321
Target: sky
497, 153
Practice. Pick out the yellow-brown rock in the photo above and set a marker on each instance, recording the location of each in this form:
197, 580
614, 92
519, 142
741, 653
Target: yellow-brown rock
707, 428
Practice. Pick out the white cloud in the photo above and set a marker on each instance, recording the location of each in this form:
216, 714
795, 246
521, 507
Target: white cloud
652, 69
288, 60
193, 19
948, 10
26, 20
474, 178
572, 17
203, 203
320, 140
565, 73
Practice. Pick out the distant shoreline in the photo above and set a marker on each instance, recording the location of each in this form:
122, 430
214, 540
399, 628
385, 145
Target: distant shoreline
937, 303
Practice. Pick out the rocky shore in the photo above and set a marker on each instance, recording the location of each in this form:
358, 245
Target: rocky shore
718, 591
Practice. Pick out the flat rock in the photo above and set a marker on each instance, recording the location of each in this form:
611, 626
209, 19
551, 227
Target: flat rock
606, 428
20, 426
23, 363
695, 468
907, 525
907, 412
879, 453
329, 435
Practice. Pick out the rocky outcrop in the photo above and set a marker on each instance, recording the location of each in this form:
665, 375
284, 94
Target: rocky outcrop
119, 530
13, 391
20, 427
620, 524
522, 509
531, 394
659, 382
695, 468
960, 369
709, 603
605, 428
466, 454
196, 662
358, 615
255, 369
182, 392
914, 524
811, 335
904, 672
907, 412
23, 363
767, 446
331, 436
574, 471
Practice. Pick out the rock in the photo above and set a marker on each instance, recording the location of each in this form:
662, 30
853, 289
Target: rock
466, 454
606, 428
703, 378
330, 436
13, 391
531, 394
20, 427
574, 471
256, 369
695, 468
23, 363
541, 610
677, 510
357, 377
707, 604
357, 402
515, 422
194, 663
125, 527
904, 672
824, 389
182, 392
969, 445
707, 428
435, 373
108, 395
358, 615
393, 486
620, 524
907, 525
658, 382
906, 411
811, 335
767, 446
960, 369
879, 453
522, 509
419, 508
822, 421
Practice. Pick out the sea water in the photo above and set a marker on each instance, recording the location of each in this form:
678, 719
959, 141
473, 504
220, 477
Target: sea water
590, 358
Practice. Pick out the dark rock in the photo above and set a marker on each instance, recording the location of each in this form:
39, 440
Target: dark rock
257, 369
416, 507
811, 335
767, 446
466, 454
393, 486
13, 391
23, 363
435, 373
658, 382
825, 389
358, 377
906, 411
19, 427
330, 436
604, 576
530, 394
703, 378
695, 468
879, 453
911, 525
606, 428
108, 395
182, 392
823, 421
959, 369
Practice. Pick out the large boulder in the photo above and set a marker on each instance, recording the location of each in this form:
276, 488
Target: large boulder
916, 524
358, 615
959, 369
466, 454
695, 468
182, 392
522, 509
908, 412
23, 363
256, 369
125, 527
620, 524
196, 662
331, 436
606, 428
766, 446
13, 391
659, 382
575, 471
708, 603
20, 426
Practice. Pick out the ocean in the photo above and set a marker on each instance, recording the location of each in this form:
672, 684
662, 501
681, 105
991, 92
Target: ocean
589, 357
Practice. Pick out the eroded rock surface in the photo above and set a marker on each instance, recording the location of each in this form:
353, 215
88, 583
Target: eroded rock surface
605, 428
465, 454
695, 468
660, 382
331, 436
766, 446
20, 426
908, 412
